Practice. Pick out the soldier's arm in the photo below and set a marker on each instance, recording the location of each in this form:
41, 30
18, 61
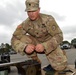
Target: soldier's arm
16, 42
57, 36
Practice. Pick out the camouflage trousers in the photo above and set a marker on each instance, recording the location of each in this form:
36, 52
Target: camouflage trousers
56, 58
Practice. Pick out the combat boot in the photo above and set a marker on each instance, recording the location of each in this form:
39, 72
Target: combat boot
68, 71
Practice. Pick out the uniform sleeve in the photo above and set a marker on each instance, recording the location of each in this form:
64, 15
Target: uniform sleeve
16, 42
57, 36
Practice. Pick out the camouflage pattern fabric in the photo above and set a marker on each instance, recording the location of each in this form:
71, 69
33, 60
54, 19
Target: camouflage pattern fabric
32, 5
43, 31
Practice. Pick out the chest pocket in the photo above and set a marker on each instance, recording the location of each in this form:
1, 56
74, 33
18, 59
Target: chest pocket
37, 30
40, 30
30, 29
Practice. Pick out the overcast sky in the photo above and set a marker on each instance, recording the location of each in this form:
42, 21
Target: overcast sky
12, 13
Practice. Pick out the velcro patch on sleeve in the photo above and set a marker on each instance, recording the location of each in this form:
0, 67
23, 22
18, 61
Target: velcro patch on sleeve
19, 26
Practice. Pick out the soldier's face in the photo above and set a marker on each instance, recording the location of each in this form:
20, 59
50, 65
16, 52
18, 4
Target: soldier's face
33, 15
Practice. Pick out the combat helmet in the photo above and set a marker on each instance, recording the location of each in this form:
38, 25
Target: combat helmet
32, 5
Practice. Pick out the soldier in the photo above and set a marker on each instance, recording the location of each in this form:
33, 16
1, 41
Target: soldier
44, 35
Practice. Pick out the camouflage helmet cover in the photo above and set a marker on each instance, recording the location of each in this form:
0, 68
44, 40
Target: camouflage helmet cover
32, 5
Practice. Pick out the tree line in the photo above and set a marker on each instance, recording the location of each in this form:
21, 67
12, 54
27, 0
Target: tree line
5, 48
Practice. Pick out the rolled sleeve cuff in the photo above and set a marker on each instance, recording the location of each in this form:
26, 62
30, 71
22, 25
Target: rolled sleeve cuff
46, 50
19, 47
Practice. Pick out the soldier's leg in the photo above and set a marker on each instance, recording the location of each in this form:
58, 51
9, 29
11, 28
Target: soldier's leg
30, 40
36, 58
57, 60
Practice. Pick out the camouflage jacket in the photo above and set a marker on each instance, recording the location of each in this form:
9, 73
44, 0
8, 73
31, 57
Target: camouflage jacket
44, 29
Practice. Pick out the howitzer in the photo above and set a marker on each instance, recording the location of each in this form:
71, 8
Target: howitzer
5, 56
10, 63
29, 67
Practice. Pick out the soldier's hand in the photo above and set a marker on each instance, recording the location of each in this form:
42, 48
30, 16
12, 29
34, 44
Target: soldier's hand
39, 48
30, 48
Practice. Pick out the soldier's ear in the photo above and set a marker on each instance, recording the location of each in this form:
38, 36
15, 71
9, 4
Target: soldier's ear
39, 10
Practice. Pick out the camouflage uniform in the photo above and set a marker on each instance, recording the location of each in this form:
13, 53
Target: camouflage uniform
43, 31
